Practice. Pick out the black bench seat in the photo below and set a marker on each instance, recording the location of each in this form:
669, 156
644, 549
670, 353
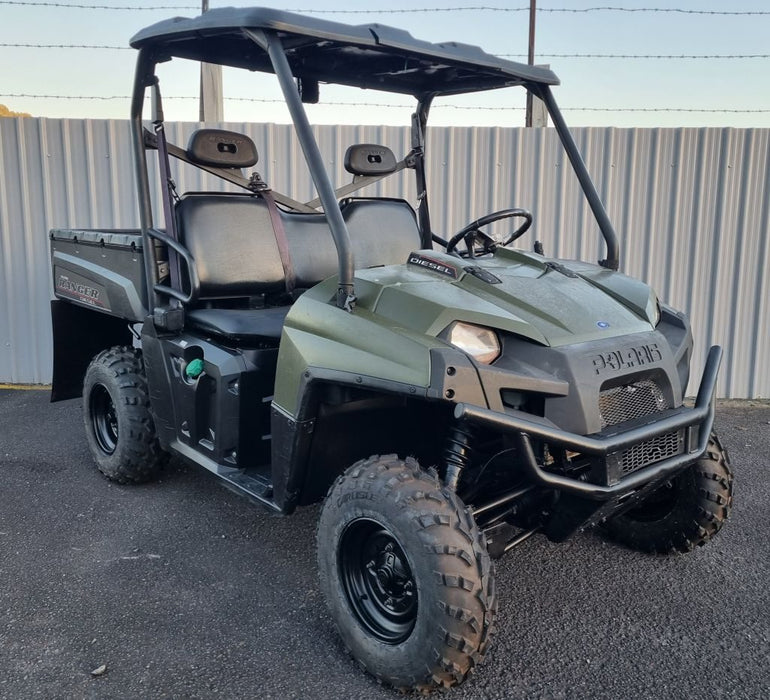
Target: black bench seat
231, 239
240, 324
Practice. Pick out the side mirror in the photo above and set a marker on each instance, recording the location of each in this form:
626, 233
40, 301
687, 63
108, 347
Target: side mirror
308, 90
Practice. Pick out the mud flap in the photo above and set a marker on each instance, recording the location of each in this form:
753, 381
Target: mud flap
291, 452
79, 334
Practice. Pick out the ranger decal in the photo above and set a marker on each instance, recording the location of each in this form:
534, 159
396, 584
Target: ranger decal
81, 292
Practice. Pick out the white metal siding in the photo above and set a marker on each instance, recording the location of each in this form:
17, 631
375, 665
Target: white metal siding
690, 207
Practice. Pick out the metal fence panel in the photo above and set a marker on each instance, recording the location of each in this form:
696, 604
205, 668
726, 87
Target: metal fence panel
690, 206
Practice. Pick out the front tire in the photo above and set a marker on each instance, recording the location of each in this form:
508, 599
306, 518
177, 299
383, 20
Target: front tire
406, 575
685, 512
116, 411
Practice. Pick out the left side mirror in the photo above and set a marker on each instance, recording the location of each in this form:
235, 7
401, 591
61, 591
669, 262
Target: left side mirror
308, 90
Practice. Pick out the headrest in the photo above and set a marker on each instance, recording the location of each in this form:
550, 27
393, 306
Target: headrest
224, 149
369, 159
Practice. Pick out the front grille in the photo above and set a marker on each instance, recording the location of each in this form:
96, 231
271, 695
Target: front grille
635, 400
651, 451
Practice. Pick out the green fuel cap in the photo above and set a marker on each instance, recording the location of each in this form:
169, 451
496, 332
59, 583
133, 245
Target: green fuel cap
194, 369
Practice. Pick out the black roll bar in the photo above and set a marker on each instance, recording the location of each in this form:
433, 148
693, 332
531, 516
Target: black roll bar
271, 43
419, 125
612, 260
144, 78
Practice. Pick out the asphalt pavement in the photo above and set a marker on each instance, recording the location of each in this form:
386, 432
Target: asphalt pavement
181, 589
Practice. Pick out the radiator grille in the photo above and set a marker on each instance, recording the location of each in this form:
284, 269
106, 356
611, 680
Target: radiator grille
623, 403
649, 452
636, 400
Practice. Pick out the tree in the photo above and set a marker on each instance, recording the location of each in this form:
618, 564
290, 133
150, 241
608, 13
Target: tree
5, 112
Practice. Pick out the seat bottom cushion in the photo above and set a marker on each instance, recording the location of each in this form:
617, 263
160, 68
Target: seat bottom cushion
240, 324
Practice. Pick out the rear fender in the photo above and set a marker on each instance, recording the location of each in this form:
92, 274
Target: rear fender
79, 334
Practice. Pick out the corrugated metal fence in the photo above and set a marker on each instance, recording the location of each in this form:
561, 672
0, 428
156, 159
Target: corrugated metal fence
690, 206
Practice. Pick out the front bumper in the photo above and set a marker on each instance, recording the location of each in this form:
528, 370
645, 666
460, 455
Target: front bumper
694, 423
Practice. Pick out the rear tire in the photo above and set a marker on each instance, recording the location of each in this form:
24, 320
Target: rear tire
685, 512
116, 410
406, 574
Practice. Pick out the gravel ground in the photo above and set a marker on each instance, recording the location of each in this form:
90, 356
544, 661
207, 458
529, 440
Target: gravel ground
184, 590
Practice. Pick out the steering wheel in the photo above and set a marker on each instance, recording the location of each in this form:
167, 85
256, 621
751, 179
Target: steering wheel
470, 232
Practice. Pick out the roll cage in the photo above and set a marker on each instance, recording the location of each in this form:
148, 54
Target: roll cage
303, 52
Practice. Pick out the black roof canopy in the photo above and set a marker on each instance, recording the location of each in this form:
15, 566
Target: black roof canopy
372, 56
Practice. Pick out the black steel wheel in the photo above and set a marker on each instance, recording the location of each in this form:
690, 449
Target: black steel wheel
104, 418
406, 574
685, 512
119, 426
378, 580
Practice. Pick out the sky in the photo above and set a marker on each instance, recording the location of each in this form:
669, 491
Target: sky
593, 91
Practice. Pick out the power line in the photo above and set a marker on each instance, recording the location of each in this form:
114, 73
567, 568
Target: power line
412, 10
72, 97
715, 56
674, 10
499, 55
667, 109
66, 46
75, 6
581, 10
394, 106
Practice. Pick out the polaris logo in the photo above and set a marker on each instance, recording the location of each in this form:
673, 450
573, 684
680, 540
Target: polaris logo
627, 358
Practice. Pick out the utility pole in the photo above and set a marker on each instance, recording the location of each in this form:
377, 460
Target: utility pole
537, 114
531, 56
211, 101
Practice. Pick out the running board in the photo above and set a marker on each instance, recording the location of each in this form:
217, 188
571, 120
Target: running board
245, 482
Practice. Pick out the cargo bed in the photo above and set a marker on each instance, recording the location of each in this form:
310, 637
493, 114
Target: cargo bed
100, 269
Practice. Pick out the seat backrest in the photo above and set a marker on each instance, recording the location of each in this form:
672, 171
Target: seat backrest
382, 232
232, 240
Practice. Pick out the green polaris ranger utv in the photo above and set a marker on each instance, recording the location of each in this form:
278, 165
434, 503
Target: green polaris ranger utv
445, 394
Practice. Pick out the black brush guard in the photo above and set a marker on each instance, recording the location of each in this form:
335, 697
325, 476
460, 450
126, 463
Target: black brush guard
604, 448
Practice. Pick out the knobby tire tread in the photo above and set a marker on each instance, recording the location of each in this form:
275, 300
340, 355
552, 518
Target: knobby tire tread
140, 456
697, 521
462, 636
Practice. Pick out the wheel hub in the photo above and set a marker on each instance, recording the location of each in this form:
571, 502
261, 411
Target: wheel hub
391, 579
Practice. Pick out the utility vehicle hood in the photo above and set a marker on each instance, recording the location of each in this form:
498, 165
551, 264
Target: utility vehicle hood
551, 302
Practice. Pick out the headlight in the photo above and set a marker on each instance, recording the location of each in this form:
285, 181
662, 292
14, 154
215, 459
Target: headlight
652, 310
479, 342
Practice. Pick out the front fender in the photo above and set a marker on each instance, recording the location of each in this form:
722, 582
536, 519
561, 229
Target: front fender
362, 344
